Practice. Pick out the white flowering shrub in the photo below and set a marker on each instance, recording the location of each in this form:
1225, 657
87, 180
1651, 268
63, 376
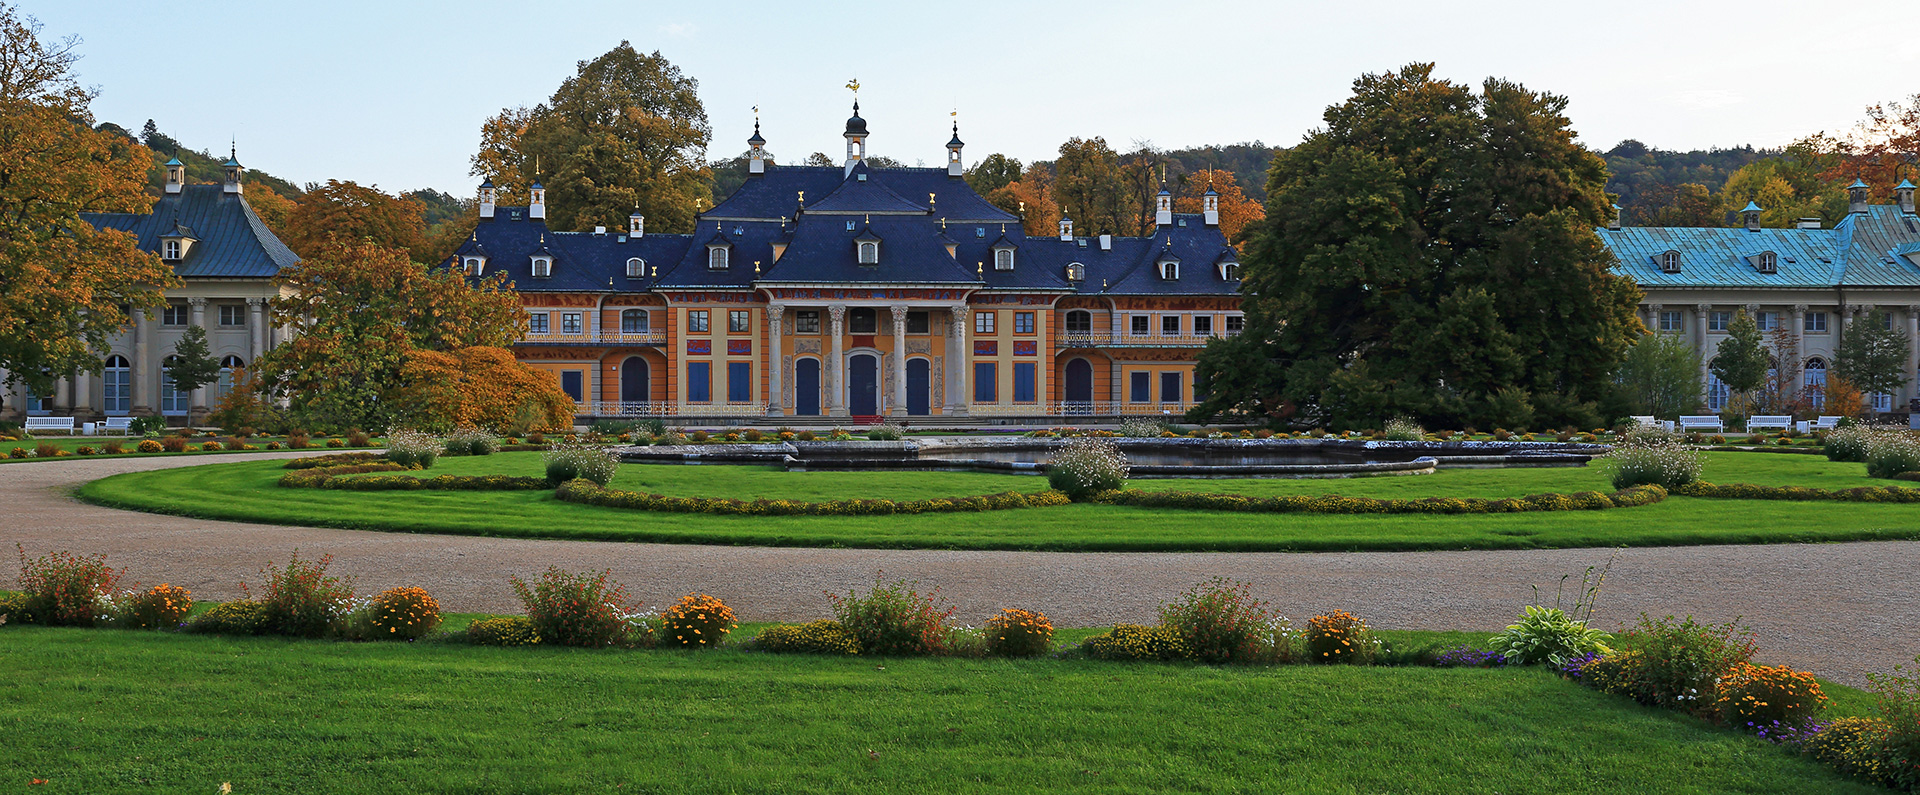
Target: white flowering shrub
1086, 466
885, 432
568, 461
472, 441
1657, 460
1142, 429
412, 448
1890, 453
1401, 429
1849, 443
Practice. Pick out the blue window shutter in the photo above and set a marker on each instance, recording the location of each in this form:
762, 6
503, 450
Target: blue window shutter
1023, 382
1140, 388
699, 382
1169, 387
739, 383
984, 383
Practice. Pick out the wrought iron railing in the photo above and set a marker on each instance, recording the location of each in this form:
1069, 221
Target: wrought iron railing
599, 337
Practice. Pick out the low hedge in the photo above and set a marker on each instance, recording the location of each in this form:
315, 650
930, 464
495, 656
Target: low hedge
1748, 491
334, 460
1334, 504
324, 479
587, 492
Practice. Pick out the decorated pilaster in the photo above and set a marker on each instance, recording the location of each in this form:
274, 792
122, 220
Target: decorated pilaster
836, 403
776, 389
899, 313
197, 400
957, 364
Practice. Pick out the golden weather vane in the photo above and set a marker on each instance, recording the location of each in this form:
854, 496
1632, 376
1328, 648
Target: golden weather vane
854, 86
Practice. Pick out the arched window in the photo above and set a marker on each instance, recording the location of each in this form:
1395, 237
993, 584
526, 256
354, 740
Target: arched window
1003, 259
1170, 269
1670, 262
228, 367
1076, 272
869, 253
1717, 393
1079, 321
116, 386
633, 321
542, 267
1769, 262
475, 266
173, 400
636, 268
1815, 383
717, 258
1230, 271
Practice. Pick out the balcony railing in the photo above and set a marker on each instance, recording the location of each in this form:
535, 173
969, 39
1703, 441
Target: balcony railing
600, 337
1108, 339
1052, 408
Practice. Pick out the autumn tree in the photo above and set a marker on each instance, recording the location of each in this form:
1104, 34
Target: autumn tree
1796, 184
1686, 204
347, 213
482, 387
274, 209
1883, 148
1030, 198
64, 286
1088, 187
1236, 210
627, 133
1429, 250
360, 309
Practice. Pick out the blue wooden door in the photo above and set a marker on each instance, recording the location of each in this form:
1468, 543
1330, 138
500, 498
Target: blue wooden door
806, 387
919, 387
863, 386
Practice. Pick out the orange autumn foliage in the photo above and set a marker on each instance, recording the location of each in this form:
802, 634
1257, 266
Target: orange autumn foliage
483, 387
1236, 210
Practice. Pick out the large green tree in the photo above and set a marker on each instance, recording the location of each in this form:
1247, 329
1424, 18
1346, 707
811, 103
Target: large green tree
1661, 376
1873, 355
626, 133
1428, 248
1089, 187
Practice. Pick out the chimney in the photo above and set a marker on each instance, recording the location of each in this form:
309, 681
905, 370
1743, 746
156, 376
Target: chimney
1857, 197
1066, 229
1809, 222
636, 226
1750, 215
488, 196
537, 206
1903, 196
1613, 221
1106, 242
600, 231
176, 176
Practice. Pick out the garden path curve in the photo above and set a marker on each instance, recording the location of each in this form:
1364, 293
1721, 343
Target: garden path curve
1839, 609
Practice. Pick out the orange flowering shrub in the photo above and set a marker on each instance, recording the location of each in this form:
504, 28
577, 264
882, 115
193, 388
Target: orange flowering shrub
1763, 697
697, 620
1340, 637
403, 613
163, 606
482, 387
1019, 633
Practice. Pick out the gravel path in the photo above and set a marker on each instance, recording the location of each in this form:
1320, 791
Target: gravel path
1839, 609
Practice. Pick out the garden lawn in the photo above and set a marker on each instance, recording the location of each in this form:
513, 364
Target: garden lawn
246, 491
120, 711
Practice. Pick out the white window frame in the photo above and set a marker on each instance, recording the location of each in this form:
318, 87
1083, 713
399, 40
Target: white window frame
172, 250
542, 267
233, 316
1203, 325
716, 258
1003, 259
983, 322
1076, 272
1670, 321
1169, 270
1669, 262
636, 268
1140, 325
539, 322
1236, 324
1814, 323
572, 323
1172, 322
869, 253
174, 315
1719, 321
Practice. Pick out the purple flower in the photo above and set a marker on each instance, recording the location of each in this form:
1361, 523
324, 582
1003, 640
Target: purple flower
1575, 667
1469, 657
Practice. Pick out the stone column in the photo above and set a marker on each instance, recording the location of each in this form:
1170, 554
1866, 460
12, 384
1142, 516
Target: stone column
1706, 355
257, 327
197, 401
1653, 316
62, 395
83, 395
146, 387
899, 312
837, 317
958, 398
1913, 347
776, 389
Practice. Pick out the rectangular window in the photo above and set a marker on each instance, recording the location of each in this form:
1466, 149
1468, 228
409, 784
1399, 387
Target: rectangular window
985, 383
1139, 323
1669, 321
570, 323
1169, 387
1766, 321
1023, 322
983, 322
174, 315
1203, 325
1236, 324
1718, 321
806, 321
233, 315
1170, 325
1139, 387
1816, 322
739, 321
863, 320
1886, 322
573, 382
917, 323
697, 321
699, 382
739, 382
537, 323
1023, 377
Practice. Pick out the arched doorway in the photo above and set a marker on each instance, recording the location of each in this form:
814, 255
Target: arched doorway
806, 387
1078, 383
636, 381
919, 388
863, 385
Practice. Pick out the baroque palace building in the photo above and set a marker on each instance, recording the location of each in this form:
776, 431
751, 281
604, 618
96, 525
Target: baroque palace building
228, 263
863, 292
1812, 281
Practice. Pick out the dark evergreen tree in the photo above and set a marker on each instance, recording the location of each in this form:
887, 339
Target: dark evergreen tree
1741, 361
1873, 355
192, 365
1427, 249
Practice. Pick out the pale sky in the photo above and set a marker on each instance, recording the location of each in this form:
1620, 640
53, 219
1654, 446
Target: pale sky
393, 93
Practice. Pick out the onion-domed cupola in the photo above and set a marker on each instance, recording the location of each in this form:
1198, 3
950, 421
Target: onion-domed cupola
954, 167
756, 150
856, 136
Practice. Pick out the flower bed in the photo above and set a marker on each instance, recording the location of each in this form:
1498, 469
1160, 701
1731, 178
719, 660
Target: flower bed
587, 492
1582, 501
1748, 491
325, 479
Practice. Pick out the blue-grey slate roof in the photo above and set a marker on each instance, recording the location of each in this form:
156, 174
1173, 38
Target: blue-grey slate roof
1867, 249
233, 243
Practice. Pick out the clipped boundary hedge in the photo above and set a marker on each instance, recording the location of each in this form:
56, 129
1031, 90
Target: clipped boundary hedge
1748, 491
1335, 504
586, 492
324, 479
335, 460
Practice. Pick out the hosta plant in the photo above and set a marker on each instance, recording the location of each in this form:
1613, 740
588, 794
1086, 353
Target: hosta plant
1548, 635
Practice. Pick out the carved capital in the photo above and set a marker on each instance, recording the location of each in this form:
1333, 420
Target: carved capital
775, 312
256, 303
1800, 309
837, 313
1656, 308
197, 302
1753, 309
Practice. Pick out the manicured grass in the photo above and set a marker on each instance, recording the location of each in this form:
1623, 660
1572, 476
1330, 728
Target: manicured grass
119, 711
246, 491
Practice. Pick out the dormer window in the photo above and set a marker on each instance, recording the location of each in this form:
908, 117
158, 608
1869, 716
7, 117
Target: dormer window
170, 250
542, 267
474, 266
1170, 269
717, 258
1767, 262
1003, 259
869, 253
1230, 271
1670, 262
1076, 272
636, 268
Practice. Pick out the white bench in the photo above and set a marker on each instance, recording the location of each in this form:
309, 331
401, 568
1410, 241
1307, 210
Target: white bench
1649, 421
1821, 424
59, 424
120, 425
1701, 422
1775, 421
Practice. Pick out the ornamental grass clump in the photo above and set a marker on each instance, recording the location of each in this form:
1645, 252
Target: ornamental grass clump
577, 609
1340, 637
401, 614
568, 461
67, 590
1762, 698
1892, 453
304, 601
1019, 633
472, 441
697, 621
1087, 466
1402, 429
815, 637
1220, 621
163, 606
1652, 460
410, 448
894, 618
